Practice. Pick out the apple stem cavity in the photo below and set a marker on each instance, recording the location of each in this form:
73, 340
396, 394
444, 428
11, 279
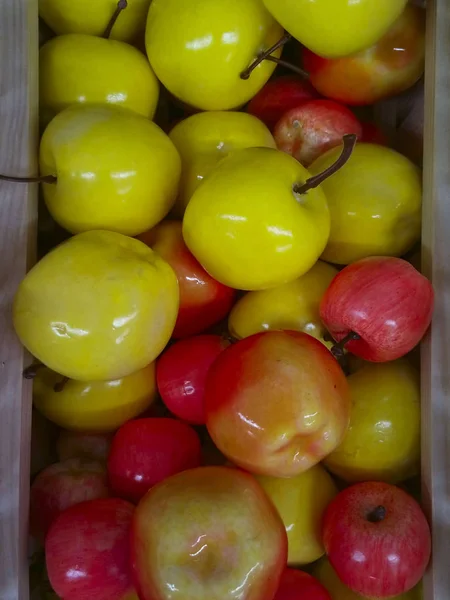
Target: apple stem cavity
38, 179
32, 371
349, 142
121, 5
59, 387
338, 349
377, 515
265, 56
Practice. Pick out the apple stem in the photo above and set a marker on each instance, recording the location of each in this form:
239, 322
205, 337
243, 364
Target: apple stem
38, 179
377, 515
349, 141
58, 387
264, 56
288, 65
338, 349
121, 5
31, 371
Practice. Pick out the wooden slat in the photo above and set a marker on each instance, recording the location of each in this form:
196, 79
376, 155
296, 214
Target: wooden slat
436, 265
18, 143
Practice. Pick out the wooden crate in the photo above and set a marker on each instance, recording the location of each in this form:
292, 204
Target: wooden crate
18, 224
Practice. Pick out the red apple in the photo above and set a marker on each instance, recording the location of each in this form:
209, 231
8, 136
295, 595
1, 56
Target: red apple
309, 130
276, 403
384, 302
208, 533
297, 585
181, 375
372, 134
377, 539
60, 486
203, 300
389, 67
75, 444
278, 96
147, 451
87, 551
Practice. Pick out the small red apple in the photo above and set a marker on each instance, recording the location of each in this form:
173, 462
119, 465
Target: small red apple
203, 300
276, 403
76, 444
181, 375
378, 307
147, 451
377, 539
208, 533
298, 585
278, 96
87, 551
391, 66
60, 486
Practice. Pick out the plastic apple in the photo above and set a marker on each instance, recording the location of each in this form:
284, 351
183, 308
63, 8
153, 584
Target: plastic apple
205, 138
203, 300
375, 202
294, 306
297, 585
87, 446
372, 324
276, 403
199, 49
354, 524
98, 307
114, 170
336, 28
87, 551
62, 485
389, 394
301, 502
394, 64
69, 68
309, 130
206, 533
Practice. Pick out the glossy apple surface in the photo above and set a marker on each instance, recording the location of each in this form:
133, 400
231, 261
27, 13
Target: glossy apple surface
389, 324
208, 533
78, 444
276, 403
377, 539
297, 585
181, 375
147, 451
203, 300
87, 551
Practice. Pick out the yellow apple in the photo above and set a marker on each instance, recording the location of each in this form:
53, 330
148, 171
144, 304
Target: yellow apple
199, 48
205, 138
247, 225
94, 406
383, 440
99, 306
301, 502
375, 202
92, 17
114, 170
294, 305
90, 70
334, 28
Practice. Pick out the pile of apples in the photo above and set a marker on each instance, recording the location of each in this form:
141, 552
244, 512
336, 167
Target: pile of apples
227, 336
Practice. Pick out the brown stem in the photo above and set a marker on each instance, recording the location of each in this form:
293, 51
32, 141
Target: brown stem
38, 179
121, 5
377, 515
288, 65
58, 387
349, 141
31, 371
264, 56
338, 349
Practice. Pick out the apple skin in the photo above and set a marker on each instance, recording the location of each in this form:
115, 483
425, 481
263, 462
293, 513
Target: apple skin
277, 403
87, 551
297, 585
147, 451
379, 559
203, 300
89, 446
385, 300
181, 375
205, 533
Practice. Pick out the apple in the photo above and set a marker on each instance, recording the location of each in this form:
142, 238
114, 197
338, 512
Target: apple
391, 66
87, 551
147, 451
203, 300
379, 308
297, 585
278, 96
62, 485
377, 539
208, 533
309, 130
77, 444
181, 375
276, 403
373, 134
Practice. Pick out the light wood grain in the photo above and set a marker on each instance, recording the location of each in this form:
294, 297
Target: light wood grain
18, 143
436, 265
